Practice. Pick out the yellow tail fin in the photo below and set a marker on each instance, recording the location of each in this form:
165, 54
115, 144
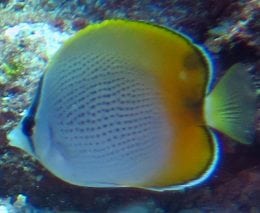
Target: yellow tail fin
231, 106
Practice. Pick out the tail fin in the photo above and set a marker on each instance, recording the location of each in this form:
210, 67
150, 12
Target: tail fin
231, 106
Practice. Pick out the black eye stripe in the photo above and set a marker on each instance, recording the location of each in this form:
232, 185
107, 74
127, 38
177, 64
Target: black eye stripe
27, 129
35, 103
28, 122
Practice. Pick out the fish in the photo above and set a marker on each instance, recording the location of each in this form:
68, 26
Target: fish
127, 103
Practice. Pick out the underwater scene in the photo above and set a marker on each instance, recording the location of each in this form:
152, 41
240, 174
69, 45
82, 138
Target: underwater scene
126, 106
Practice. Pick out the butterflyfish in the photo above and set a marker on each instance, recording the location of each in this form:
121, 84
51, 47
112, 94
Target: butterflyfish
130, 104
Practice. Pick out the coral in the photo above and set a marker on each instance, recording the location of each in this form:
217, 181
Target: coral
19, 206
79, 23
12, 68
238, 32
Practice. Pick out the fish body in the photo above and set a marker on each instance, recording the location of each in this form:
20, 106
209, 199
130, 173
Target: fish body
128, 104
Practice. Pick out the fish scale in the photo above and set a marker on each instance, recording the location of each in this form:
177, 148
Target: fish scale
118, 97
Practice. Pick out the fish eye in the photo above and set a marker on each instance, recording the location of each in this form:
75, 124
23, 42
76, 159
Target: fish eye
27, 125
